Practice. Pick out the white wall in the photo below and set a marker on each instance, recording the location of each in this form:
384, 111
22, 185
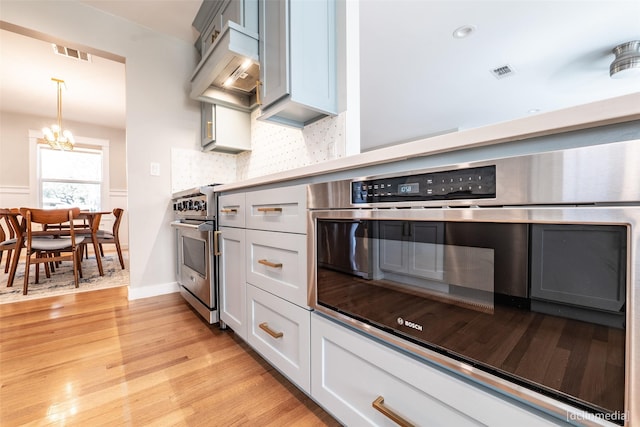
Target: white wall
159, 116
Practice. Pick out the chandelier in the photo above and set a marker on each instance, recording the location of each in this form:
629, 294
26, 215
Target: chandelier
54, 136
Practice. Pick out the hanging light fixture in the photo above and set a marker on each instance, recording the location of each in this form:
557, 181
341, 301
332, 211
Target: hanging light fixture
54, 136
627, 61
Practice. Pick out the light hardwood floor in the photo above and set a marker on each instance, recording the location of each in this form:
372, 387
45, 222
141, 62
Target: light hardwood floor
95, 358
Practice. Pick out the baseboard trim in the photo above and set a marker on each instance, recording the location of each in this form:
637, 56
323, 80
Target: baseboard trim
153, 290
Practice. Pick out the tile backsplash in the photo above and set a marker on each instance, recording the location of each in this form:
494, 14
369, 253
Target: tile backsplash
275, 148
191, 168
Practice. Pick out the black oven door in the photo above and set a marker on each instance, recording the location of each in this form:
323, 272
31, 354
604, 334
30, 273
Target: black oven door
531, 303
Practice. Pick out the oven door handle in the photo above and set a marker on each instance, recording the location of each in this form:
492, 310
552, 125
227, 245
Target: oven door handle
205, 226
216, 243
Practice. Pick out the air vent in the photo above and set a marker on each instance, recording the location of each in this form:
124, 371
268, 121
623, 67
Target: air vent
503, 71
71, 53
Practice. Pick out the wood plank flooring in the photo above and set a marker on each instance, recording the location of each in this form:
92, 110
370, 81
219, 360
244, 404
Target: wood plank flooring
95, 358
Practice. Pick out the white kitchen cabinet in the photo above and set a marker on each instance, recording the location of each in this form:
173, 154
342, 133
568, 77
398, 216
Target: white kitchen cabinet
232, 279
298, 49
349, 372
277, 263
268, 275
279, 331
263, 242
278, 209
225, 129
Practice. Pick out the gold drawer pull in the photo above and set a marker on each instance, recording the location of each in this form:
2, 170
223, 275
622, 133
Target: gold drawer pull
269, 210
231, 210
270, 331
270, 264
378, 405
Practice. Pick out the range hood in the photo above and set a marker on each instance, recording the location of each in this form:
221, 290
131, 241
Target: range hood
229, 69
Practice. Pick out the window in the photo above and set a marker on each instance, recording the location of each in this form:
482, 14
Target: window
70, 178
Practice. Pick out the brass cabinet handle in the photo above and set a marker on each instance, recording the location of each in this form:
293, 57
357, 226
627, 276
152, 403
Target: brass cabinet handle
269, 210
230, 210
216, 242
378, 405
265, 327
258, 100
209, 130
270, 264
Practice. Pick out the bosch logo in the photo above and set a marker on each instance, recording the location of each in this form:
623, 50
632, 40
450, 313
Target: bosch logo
409, 324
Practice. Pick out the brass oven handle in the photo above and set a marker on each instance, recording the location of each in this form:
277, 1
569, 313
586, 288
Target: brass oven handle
378, 405
209, 130
230, 210
216, 243
270, 264
265, 327
269, 210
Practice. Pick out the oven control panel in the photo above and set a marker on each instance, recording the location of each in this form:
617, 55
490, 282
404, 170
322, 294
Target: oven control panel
193, 207
193, 204
470, 183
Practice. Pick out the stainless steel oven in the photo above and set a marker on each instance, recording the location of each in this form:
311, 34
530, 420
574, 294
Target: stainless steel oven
196, 260
519, 272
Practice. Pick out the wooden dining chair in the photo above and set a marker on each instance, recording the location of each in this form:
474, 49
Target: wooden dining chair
7, 237
81, 227
63, 248
113, 237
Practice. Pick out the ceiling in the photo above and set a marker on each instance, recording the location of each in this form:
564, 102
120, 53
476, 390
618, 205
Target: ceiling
416, 78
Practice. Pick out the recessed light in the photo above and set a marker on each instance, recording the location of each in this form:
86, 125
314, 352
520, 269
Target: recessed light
464, 31
533, 111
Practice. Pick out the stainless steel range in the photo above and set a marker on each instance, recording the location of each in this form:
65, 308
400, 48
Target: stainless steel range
196, 260
519, 272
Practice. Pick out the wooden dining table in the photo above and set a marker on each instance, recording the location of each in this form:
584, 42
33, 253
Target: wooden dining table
19, 225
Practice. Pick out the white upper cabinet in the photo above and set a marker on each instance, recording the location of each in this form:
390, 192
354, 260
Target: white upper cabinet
225, 129
298, 49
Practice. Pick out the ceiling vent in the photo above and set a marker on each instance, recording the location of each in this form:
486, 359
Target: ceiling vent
503, 71
71, 53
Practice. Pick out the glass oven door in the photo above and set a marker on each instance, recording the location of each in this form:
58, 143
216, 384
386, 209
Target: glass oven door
195, 267
540, 305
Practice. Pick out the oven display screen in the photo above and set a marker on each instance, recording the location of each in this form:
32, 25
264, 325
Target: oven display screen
409, 188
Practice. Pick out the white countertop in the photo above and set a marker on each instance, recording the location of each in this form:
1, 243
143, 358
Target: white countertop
614, 110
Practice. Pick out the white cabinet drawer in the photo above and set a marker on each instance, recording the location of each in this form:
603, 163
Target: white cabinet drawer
278, 209
280, 332
350, 371
231, 210
277, 263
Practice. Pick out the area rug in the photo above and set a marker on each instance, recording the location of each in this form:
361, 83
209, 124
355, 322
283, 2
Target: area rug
61, 282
